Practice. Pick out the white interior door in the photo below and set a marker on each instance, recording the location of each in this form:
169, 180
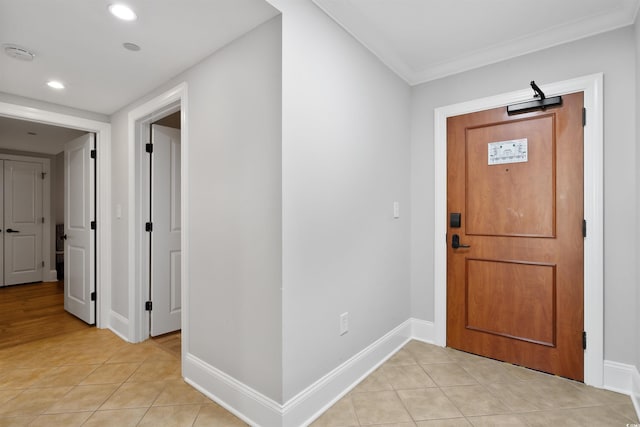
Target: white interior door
23, 222
165, 237
79, 211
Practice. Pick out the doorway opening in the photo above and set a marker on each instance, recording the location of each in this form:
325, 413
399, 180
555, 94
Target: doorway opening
102, 135
32, 210
593, 211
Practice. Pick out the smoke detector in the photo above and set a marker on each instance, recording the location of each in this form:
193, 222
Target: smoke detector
18, 52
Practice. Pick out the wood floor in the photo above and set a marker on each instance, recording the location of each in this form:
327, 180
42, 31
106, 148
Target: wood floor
34, 311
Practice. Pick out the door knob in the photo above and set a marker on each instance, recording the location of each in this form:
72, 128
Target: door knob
455, 242
64, 237
9, 230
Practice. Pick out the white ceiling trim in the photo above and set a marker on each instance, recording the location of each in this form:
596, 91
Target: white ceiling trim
561, 34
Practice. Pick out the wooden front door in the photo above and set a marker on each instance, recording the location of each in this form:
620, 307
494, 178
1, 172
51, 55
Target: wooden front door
516, 293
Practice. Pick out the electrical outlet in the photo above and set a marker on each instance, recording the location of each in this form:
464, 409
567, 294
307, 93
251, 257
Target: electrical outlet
344, 323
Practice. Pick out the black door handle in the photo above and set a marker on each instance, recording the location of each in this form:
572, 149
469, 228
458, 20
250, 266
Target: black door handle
64, 237
455, 242
12, 231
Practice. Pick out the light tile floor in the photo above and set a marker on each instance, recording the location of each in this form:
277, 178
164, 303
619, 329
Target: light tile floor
92, 378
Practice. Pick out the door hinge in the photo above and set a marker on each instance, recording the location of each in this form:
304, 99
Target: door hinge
584, 340
584, 228
148, 226
43, 174
93, 296
42, 220
148, 306
93, 225
148, 148
93, 154
43, 263
584, 117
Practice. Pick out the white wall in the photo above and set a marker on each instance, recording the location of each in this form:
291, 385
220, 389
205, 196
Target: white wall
234, 213
637, 33
611, 53
345, 154
57, 195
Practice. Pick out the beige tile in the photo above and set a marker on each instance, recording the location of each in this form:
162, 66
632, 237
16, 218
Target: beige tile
449, 374
111, 373
170, 416
116, 418
213, 415
16, 421
379, 407
65, 376
524, 374
376, 381
22, 378
488, 371
407, 377
62, 420
134, 395
475, 400
428, 404
627, 410
162, 370
602, 396
32, 401
83, 398
341, 414
497, 420
179, 393
409, 424
462, 356
427, 353
451, 422
595, 416
133, 353
556, 393
518, 396
402, 357
9, 394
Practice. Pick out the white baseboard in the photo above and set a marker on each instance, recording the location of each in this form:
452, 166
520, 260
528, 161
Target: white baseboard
119, 325
51, 276
258, 410
635, 391
618, 377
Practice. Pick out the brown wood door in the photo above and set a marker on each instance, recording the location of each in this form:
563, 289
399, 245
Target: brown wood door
516, 293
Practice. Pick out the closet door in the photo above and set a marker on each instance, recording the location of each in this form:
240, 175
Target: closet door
22, 222
2, 281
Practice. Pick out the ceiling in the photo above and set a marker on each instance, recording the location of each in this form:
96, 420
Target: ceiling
80, 43
423, 40
22, 135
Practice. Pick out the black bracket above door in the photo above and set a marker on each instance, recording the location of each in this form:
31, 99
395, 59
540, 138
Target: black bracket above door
539, 102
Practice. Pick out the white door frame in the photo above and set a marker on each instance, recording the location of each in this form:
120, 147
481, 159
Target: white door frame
47, 273
103, 183
593, 210
138, 123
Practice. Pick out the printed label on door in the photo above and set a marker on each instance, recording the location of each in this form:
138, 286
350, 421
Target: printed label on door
514, 151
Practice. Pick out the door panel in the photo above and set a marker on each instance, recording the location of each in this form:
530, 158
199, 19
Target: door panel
23, 222
165, 239
79, 247
516, 293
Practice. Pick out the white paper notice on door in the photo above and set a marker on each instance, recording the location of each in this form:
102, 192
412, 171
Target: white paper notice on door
513, 151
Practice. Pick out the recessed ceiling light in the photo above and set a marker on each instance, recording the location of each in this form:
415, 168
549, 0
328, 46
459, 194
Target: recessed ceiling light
123, 12
131, 46
55, 84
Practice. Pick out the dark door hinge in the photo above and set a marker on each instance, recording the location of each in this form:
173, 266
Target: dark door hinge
42, 220
584, 340
148, 148
43, 174
93, 154
584, 228
148, 226
584, 117
43, 263
93, 225
93, 296
148, 306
